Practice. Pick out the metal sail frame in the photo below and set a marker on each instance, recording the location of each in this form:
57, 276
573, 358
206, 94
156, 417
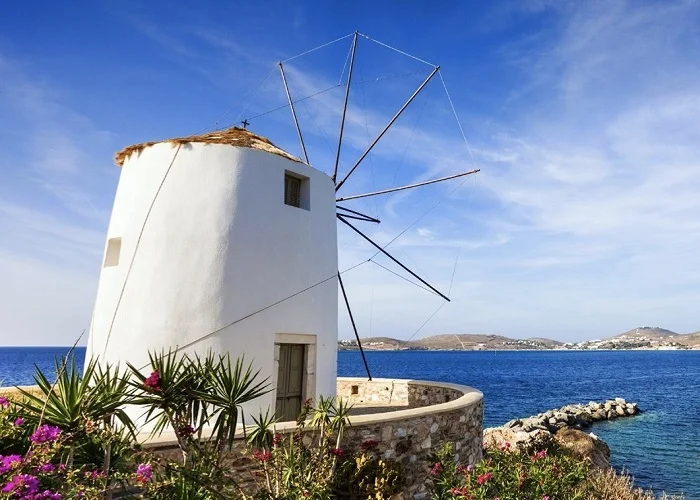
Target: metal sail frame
353, 214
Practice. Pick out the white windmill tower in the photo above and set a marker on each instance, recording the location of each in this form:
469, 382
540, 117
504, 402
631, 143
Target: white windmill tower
225, 242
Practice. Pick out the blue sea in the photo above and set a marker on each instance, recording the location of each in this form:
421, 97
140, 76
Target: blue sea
660, 448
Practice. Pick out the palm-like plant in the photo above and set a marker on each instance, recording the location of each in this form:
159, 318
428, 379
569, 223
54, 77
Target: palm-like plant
79, 403
228, 387
261, 435
188, 394
97, 394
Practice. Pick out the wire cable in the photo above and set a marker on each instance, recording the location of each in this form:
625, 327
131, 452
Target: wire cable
347, 58
210, 334
404, 278
319, 47
422, 216
252, 93
459, 123
136, 248
397, 50
423, 325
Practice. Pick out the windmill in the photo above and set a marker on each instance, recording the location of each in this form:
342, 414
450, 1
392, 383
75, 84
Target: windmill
224, 242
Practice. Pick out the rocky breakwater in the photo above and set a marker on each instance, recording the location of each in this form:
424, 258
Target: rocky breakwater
564, 426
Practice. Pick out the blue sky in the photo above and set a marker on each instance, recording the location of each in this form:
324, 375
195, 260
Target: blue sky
583, 116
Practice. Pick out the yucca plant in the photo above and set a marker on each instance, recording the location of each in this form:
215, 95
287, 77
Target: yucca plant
78, 404
189, 394
98, 394
228, 387
261, 436
168, 393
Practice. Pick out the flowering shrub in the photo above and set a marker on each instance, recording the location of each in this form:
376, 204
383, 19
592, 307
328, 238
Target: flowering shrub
310, 463
40, 474
510, 475
72, 439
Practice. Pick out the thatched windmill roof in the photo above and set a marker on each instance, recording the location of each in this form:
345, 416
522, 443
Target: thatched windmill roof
233, 136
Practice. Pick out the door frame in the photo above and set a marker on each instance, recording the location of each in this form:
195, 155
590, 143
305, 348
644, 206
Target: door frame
309, 375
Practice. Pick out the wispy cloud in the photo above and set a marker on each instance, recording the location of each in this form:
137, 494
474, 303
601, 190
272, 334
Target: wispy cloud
584, 219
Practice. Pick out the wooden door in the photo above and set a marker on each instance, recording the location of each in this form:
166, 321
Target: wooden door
290, 381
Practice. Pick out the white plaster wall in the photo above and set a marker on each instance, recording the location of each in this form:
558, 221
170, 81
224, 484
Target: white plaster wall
219, 244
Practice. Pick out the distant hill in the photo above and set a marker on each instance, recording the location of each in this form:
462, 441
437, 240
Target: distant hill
648, 331
645, 336
458, 342
658, 335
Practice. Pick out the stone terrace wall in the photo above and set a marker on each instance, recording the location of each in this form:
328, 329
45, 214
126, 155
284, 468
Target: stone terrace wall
427, 415
395, 392
437, 413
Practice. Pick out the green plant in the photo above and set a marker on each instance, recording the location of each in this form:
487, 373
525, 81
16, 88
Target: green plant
73, 439
89, 410
310, 463
510, 475
367, 476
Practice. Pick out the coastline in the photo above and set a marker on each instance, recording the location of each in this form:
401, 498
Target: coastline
369, 349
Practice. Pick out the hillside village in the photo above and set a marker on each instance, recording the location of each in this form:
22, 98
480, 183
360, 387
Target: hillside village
642, 338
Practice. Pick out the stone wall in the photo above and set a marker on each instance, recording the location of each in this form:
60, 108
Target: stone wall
395, 392
425, 415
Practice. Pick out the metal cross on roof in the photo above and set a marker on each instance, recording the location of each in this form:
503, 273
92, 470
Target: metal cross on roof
245, 123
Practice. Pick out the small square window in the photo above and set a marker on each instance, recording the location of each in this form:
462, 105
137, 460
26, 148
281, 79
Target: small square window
114, 248
292, 191
296, 190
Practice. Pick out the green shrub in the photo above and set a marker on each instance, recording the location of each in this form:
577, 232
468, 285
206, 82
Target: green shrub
510, 475
72, 438
310, 463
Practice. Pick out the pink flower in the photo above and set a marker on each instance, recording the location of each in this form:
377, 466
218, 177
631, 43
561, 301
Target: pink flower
185, 431
47, 467
505, 446
276, 439
7, 462
461, 492
4, 402
262, 455
337, 452
144, 473
153, 381
93, 474
22, 485
546, 497
437, 468
45, 434
539, 455
482, 479
18, 422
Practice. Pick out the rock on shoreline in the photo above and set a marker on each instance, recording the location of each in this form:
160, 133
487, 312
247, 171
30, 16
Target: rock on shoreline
564, 426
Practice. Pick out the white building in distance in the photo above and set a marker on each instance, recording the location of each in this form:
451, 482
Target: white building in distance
209, 240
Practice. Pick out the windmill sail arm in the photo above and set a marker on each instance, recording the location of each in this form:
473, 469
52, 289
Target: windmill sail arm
388, 125
294, 113
360, 215
354, 327
409, 186
342, 219
345, 107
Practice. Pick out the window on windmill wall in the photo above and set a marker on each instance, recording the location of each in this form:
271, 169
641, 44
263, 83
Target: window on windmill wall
114, 248
296, 190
